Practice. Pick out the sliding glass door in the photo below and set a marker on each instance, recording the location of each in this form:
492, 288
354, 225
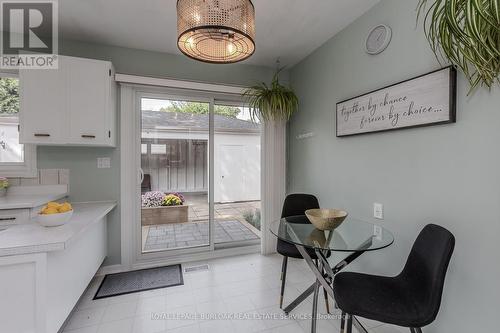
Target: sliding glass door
175, 174
200, 174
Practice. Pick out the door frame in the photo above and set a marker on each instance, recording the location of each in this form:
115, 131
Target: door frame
130, 145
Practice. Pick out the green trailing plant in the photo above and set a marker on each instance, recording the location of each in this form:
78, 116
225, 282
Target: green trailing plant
467, 34
274, 102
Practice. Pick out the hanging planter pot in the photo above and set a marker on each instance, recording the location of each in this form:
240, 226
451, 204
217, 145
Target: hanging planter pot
467, 34
271, 103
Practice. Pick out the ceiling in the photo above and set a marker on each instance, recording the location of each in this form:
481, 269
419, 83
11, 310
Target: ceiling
286, 29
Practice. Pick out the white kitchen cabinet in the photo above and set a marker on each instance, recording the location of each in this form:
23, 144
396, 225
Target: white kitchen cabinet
11, 217
42, 104
73, 105
44, 271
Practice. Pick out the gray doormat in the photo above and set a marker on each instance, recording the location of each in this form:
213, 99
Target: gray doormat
141, 280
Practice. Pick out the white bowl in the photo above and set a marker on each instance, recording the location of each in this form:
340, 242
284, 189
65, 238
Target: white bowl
54, 220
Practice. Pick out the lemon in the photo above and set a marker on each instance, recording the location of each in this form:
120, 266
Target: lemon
50, 210
65, 207
53, 204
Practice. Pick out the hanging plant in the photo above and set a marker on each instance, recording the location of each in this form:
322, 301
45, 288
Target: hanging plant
466, 33
274, 102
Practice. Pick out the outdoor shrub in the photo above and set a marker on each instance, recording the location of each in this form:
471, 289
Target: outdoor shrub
252, 217
248, 216
4, 182
256, 219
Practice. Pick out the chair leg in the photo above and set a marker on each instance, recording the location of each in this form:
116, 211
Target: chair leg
283, 267
342, 322
349, 324
326, 301
283, 279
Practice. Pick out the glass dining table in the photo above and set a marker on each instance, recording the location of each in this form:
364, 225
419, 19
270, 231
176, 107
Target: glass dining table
354, 237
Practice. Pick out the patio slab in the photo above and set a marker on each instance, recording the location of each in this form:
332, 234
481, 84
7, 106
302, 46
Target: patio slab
170, 236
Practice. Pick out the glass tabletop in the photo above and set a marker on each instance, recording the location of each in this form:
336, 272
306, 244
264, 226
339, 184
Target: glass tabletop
351, 236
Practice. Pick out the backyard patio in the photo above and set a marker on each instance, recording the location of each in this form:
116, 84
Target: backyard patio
235, 222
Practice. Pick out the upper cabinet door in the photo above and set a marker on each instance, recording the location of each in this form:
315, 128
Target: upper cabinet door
74, 105
89, 98
43, 101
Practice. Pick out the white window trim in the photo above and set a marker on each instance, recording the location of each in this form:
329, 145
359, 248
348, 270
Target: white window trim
28, 168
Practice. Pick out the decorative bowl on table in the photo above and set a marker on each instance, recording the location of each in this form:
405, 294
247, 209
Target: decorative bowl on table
326, 219
55, 214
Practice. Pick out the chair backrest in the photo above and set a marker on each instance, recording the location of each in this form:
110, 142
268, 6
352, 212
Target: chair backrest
146, 184
298, 203
425, 269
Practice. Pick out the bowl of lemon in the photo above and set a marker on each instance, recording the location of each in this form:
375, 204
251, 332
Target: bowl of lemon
55, 214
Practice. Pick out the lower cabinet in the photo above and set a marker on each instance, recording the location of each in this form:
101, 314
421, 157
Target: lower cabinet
40, 290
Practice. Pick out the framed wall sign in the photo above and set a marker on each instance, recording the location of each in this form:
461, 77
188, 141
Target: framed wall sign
429, 99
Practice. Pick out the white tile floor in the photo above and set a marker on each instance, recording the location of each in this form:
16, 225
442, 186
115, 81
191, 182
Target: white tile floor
222, 299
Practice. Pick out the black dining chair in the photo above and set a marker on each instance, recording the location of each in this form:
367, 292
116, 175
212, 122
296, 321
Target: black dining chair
296, 204
411, 299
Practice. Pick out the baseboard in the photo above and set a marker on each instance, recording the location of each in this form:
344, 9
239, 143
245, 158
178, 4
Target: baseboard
180, 259
110, 269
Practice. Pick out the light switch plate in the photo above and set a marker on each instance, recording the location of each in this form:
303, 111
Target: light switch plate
378, 211
377, 232
103, 162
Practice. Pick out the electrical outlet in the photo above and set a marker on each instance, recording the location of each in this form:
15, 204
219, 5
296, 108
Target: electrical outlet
378, 211
103, 162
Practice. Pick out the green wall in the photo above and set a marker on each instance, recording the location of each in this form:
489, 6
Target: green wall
157, 64
87, 183
447, 174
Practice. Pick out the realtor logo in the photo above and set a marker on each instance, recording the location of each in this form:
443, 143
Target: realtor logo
29, 34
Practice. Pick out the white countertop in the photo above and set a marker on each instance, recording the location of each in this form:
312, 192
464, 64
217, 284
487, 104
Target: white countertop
34, 238
28, 201
19, 197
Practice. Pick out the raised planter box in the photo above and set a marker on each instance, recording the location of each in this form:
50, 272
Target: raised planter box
164, 215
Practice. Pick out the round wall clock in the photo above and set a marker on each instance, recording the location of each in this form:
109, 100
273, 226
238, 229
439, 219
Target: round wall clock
378, 39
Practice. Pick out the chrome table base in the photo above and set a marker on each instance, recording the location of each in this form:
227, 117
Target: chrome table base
324, 278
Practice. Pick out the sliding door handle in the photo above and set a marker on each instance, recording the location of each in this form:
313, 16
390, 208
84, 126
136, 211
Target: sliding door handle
141, 175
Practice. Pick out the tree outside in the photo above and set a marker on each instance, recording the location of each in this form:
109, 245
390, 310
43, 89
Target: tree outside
9, 95
201, 108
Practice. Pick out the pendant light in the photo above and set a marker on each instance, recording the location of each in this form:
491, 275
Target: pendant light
216, 31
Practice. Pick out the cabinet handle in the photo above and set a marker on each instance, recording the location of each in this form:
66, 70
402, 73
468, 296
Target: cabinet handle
42, 134
88, 136
7, 218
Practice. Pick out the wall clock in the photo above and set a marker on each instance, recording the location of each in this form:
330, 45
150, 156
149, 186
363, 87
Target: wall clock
378, 39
